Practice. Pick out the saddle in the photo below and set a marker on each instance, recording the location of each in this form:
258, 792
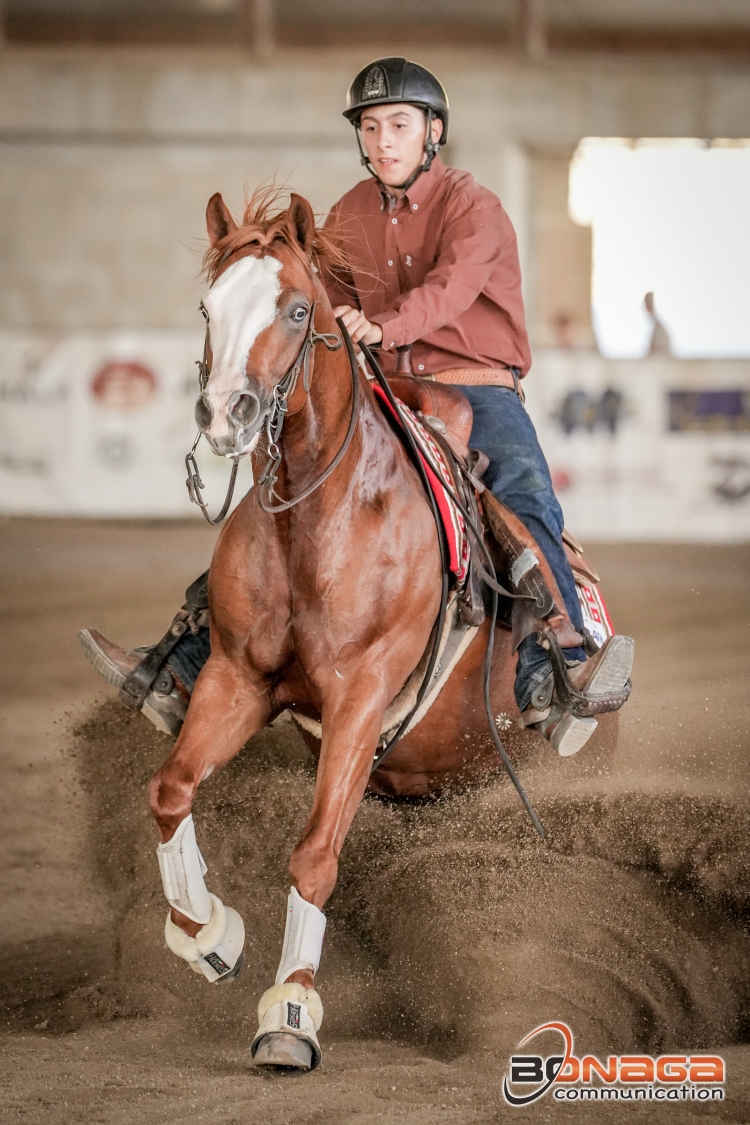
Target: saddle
537, 604
433, 400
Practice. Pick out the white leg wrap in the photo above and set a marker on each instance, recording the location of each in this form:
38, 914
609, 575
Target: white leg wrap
293, 1009
303, 937
216, 948
182, 869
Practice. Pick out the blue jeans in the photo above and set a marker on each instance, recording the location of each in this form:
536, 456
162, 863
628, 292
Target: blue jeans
519, 476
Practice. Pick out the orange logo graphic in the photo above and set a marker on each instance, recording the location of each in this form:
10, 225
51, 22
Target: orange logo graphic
668, 1078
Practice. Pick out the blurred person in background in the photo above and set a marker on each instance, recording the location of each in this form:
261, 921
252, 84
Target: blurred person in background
435, 267
661, 343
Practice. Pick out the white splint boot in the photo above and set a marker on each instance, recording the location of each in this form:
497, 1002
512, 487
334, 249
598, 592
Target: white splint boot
216, 950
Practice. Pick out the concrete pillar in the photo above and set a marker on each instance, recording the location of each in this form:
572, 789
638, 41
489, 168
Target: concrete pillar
530, 28
559, 257
256, 23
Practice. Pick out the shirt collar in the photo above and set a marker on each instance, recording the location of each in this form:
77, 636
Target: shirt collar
420, 190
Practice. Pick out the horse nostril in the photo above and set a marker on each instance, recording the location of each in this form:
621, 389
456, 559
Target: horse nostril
246, 409
204, 412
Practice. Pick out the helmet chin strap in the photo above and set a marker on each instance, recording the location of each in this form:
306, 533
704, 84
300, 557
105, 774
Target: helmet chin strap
430, 150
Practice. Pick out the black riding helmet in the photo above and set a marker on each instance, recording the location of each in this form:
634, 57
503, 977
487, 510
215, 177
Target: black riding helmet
393, 80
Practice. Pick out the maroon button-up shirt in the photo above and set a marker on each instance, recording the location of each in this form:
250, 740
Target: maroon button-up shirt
438, 269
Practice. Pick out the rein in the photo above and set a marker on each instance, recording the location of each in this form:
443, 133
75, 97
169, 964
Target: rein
275, 418
384, 750
494, 587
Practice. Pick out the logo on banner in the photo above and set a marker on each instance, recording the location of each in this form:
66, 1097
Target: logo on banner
628, 1078
123, 386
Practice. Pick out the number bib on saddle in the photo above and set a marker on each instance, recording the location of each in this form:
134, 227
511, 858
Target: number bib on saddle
595, 616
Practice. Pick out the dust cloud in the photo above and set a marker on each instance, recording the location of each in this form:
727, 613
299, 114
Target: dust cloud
453, 930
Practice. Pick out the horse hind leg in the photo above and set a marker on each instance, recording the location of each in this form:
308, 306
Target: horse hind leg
199, 927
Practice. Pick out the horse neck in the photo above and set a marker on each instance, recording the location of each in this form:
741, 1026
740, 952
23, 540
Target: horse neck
314, 433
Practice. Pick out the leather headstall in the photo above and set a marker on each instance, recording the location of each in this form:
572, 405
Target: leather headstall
274, 419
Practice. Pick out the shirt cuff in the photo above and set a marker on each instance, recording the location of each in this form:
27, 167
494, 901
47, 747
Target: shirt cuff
393, 331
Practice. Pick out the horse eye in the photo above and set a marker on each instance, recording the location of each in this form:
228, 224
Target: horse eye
204, 311
299, 313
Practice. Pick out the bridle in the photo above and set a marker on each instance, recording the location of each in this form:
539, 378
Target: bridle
275, 417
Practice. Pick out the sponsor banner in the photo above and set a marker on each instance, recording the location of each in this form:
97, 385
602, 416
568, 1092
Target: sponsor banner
674, 1078
98, 424
652, 449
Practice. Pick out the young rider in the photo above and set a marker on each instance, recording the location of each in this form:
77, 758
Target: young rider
436, 267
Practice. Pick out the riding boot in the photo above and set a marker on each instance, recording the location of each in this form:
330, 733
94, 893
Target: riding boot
599, 682
165, 705
158, 680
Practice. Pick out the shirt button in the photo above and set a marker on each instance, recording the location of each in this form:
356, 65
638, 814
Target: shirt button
394, 221
414, 206
390, 263
420, 367
392, 344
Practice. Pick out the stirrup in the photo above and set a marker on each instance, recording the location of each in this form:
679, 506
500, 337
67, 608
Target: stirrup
568, 697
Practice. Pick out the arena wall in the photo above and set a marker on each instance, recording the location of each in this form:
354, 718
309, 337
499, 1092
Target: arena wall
107, 159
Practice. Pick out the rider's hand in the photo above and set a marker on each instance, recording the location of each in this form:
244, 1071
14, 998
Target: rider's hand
358, 326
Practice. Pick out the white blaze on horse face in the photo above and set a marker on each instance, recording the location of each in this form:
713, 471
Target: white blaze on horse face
240, 305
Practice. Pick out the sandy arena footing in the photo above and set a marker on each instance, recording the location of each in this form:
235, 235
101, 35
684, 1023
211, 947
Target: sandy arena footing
453, 930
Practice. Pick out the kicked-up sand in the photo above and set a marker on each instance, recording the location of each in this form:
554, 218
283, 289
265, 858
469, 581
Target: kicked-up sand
453, 931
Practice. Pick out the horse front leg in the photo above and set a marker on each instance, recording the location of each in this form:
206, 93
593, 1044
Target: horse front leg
291, 1012
226, 710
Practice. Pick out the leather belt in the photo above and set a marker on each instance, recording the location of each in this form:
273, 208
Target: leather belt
480, 376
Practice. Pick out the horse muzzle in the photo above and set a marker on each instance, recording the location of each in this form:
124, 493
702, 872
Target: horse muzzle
235, 432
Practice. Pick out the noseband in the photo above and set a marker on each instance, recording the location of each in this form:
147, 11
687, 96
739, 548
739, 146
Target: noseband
274, 423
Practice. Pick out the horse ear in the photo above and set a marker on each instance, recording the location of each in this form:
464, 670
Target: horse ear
218, 219
301, 222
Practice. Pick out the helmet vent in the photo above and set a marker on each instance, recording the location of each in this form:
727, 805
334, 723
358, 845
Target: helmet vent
375, 84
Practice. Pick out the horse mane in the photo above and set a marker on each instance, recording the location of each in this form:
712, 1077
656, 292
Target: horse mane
264, 220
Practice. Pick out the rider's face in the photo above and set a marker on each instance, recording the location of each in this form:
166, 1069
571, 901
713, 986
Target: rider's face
394, 139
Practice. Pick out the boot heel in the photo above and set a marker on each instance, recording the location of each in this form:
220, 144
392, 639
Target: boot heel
570, 734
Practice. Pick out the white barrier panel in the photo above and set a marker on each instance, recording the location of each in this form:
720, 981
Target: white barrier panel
98, 424
654, 449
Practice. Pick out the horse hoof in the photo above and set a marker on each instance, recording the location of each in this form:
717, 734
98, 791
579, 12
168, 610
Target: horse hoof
284, 1050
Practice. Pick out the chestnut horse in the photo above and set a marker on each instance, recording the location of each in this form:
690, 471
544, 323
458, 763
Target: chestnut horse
325, 608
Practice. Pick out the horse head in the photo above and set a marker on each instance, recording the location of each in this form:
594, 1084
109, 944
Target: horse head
258, 312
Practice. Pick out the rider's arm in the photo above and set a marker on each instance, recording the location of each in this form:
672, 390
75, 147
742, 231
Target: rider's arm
474, 240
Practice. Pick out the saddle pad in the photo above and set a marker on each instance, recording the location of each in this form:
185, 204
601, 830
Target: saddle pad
595, 616
430, 454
